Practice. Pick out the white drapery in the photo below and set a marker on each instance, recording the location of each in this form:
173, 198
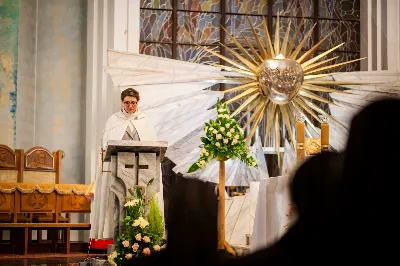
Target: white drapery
272, 211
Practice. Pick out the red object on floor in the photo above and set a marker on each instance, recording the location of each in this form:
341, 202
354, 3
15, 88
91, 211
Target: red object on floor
100, 243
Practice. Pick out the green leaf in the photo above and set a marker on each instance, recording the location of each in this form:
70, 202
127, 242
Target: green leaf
205, 140
193, 168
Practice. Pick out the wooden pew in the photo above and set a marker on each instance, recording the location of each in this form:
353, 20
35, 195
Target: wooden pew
43, 198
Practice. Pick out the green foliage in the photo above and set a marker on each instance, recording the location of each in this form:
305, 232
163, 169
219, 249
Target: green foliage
156, 222
224, 140
142, 235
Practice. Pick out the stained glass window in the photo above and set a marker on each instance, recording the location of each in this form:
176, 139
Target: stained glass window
164, 4
155, 25
343, 31
199, 5
294, 8
294, 24
156, 49
195, 54
198, 28
339, 9
175, 28
239, 27
258, 7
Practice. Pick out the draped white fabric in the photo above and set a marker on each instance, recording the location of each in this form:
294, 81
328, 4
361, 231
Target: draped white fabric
272, 211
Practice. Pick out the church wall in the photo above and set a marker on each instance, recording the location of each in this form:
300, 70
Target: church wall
25, 134
60, 85
9, 17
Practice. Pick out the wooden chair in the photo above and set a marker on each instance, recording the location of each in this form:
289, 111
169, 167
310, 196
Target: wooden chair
43, 167
306, 147
11, 165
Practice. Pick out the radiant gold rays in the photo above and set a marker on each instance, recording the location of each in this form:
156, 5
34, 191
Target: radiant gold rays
256, 101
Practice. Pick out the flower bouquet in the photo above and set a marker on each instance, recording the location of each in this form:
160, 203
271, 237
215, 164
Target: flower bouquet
224, 140
144, 230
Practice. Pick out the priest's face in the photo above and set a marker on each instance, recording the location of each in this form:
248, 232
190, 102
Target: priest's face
130, 104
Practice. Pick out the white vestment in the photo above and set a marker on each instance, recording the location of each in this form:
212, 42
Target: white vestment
116, 127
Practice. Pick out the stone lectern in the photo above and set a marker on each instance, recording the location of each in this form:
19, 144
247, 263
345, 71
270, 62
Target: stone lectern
132, 163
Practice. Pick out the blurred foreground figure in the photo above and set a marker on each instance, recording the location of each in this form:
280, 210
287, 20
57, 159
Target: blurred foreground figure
314, 191
192, 227
370, 186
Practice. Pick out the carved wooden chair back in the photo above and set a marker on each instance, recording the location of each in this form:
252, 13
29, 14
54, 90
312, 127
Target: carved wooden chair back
10, 164
11, 167
42, 166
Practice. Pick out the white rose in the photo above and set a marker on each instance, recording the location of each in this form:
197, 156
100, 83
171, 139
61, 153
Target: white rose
128, 256
234, 141
211, 129
232, 130
226, 116
237, 137
215, 131
217, 144
136, 222
229, 134
225, 141
220, 110
219, 136
254, 163
241, 130
206, 154
202, 162
227, 125
222, 129
220, 116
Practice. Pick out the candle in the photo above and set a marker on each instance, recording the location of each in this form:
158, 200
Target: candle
324, 136
300, 138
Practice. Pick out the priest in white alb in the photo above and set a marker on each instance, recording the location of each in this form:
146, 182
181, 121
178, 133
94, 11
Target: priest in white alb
126, 124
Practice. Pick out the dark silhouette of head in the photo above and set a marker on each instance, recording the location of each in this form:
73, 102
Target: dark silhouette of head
370, 182
314, 187
192, 223
372, 151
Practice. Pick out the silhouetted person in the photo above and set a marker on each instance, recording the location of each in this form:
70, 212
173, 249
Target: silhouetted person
314, 192
191, 228
371, 185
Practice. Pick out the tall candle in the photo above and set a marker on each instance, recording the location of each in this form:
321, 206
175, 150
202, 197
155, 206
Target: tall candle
300, 138
324, 135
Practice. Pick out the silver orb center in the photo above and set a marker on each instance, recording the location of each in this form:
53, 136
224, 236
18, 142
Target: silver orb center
280, 79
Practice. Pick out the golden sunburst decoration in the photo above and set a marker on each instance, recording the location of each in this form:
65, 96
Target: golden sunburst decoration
276, 81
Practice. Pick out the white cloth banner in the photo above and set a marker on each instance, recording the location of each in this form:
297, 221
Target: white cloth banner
272, 210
